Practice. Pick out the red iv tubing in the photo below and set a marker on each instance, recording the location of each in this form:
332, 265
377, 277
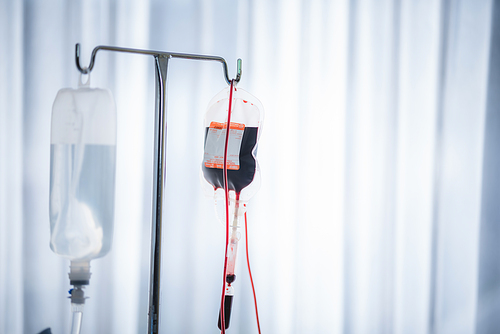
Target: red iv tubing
250, 274
226, 191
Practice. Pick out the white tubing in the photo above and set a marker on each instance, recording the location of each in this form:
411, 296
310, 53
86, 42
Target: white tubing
76, 325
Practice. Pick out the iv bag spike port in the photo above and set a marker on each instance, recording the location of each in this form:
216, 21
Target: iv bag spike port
88, 69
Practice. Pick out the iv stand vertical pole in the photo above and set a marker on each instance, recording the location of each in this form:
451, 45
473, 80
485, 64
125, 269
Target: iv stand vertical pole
159, 179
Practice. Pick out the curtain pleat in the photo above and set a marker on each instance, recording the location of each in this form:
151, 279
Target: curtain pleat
11, 165
458, 201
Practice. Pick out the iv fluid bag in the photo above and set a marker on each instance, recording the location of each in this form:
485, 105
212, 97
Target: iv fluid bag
82, 173
243, 170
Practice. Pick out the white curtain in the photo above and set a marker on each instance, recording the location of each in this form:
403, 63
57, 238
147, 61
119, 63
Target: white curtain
378, 208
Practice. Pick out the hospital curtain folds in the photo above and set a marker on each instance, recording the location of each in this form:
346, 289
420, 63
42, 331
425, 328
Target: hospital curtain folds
378, 210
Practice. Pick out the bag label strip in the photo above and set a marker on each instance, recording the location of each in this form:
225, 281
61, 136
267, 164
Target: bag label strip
214, 145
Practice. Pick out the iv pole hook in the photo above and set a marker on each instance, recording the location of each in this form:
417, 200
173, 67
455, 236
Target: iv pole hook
84, 70
87, 70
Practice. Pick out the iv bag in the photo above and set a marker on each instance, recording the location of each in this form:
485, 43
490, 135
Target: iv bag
243, 170
82, 172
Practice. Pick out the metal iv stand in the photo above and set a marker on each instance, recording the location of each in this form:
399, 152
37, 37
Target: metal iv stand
160, 161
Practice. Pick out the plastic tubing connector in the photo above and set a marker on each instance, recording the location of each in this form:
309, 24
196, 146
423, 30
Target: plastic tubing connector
79, 277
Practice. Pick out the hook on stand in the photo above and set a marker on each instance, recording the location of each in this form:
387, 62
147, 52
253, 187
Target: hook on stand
84, 70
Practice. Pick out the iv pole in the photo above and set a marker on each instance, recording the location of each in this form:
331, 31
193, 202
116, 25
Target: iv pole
160, 157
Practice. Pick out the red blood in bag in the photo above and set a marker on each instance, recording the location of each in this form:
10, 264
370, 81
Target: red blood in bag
228, 302
237, 180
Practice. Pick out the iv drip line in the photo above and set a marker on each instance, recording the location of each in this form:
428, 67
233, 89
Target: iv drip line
250, 274
76, 322
226, 191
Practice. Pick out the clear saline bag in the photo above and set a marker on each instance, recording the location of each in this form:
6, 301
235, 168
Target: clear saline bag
82, 183
82, 173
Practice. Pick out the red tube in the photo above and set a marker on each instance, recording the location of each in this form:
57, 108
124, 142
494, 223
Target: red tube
226, 191
250, 274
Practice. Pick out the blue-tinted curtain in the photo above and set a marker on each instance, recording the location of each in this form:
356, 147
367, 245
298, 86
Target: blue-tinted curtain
378, 207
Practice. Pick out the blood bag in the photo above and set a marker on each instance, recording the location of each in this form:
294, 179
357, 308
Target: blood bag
243, 170
82, 172
233, 124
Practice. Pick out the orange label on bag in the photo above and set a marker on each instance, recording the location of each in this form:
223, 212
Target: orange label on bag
215, 142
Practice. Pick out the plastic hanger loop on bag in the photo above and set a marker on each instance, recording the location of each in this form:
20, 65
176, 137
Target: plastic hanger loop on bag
86, 83
88, 69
